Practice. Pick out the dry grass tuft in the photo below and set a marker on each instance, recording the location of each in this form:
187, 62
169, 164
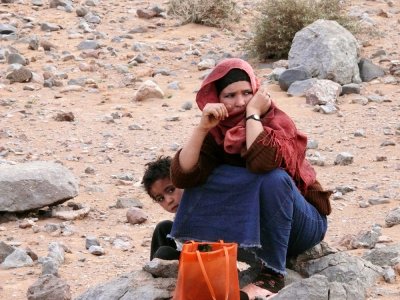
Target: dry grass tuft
216, 13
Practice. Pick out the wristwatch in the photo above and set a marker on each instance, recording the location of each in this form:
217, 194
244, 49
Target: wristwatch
254, 117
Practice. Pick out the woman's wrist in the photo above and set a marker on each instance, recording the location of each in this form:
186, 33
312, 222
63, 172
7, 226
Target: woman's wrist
252, 111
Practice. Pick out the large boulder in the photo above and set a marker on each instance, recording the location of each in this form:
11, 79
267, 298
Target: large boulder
327, 51
134, 285
34, 185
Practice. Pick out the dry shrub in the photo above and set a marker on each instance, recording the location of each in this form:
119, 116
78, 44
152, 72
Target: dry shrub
216, 13
279, 20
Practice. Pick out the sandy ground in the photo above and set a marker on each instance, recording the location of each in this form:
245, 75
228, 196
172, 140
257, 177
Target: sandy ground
29, 131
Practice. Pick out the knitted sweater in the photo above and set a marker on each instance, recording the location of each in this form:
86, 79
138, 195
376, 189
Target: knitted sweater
259, 158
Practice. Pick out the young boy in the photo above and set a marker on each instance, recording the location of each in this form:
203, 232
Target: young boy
158, 185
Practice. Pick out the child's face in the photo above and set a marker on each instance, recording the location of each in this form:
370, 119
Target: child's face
166, 194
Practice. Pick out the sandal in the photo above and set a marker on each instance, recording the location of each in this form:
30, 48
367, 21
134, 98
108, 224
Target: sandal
270, 280
244, 296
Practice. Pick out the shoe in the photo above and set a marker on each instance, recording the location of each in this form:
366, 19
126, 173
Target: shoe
270, 280
243, 296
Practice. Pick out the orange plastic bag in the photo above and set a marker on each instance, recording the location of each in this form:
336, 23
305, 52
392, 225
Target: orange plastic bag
207, 271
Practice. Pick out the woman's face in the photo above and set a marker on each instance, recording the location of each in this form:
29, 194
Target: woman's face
236, 96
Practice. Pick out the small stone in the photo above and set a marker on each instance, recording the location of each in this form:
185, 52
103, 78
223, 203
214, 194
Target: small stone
65, 117
344, 159
187, 105
91, 241
136, 216
96, 250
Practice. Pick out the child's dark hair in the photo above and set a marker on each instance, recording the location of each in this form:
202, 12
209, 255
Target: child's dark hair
155, 170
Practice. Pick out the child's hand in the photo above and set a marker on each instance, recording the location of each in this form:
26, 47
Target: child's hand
213, 113
260, 102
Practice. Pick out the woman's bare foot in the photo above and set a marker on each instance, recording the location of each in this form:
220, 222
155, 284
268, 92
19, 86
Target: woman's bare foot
254, 291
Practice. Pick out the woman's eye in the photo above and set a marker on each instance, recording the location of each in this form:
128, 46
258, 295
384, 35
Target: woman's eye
171, 190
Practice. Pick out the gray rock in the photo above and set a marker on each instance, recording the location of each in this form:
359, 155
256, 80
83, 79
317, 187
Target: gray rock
136, 216
49, 266
316, 159
49, 27
393, 217
328, 108
21, 74
351, 88
206, 64
7, 29
88, 44
359, 133
323, 92
385, 256
162, 268
174, 85
299, 88
344, 268
389, 275
92, 18
33, 43
96, 250
91, 241
369, 71
327, 51
292, 75
127, 203
187, 105
134, 285
276, 73
5, 250
378, 201
312, 144
318, 287
49, 287
344, 189
18, 258
149, 89
91, 2
81, 11
56, 3
56, 251
366, 239
15, 58
37, 2
375, 98
320, 250
34, 185
344, 159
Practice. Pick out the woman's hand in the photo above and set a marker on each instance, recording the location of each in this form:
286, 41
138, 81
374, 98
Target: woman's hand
213, 113
260, 103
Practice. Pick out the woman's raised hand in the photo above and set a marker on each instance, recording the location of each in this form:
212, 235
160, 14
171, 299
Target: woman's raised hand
213, 113
260, 102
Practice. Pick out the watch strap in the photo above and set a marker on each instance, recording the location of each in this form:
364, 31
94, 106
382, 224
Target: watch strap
254, 117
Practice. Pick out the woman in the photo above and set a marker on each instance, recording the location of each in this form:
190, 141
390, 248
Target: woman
246, 178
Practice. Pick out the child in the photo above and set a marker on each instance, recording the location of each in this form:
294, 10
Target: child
158, 185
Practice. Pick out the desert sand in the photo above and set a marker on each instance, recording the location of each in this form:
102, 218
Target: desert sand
105, 143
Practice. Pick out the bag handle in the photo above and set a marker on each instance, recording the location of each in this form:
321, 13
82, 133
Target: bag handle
203, 270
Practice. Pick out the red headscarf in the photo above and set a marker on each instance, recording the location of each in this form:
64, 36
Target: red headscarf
280, 129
